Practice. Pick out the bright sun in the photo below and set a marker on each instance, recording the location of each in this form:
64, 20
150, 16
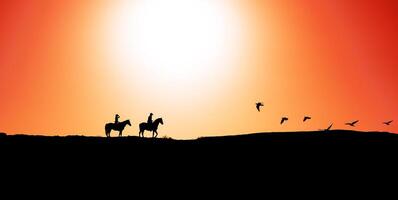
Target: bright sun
175, 42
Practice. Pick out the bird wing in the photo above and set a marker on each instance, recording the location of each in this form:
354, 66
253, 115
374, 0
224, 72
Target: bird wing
353, 123
388, 123
329, 127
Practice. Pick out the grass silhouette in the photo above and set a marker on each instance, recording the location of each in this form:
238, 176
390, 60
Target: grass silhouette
318, 138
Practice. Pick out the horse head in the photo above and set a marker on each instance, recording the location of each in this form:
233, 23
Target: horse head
160, 120
128, 122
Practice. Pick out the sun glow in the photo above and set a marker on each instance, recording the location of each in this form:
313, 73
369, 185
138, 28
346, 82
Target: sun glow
174, 42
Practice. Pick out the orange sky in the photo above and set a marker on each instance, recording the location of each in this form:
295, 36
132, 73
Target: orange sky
333, 60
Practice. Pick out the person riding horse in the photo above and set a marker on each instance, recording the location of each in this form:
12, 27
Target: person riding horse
150, 122
150, 127
117, 118
117, 126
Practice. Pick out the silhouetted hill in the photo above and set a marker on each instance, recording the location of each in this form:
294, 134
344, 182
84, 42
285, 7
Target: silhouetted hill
259, 151
317, 138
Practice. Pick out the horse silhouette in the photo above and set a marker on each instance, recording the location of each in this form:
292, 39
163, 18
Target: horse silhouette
116, 127
154, 128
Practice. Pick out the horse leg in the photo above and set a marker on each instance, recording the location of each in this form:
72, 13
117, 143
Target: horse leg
156, 134
120, 133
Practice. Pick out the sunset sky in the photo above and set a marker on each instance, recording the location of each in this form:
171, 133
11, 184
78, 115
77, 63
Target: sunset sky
68, 66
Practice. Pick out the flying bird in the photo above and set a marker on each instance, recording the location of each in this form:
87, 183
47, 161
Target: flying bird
330, 127
306, 118
259, 105
284, 119
352, 123
388, 123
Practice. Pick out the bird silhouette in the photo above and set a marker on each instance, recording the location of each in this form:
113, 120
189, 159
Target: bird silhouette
388, 123
330, 127
259, 105
306, 118
352, 123
284, 119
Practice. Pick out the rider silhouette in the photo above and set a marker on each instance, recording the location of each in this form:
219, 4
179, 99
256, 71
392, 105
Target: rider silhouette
117, 118
150, 120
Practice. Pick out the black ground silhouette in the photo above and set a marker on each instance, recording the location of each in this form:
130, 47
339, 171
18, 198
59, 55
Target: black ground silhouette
132, 154
317, 138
